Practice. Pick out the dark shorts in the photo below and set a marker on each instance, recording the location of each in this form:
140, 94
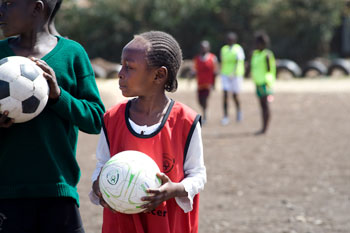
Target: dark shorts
48, 215
203, 93
263, 90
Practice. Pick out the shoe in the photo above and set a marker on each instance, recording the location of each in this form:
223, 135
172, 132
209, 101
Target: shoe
225, 121
239, 116
260, 132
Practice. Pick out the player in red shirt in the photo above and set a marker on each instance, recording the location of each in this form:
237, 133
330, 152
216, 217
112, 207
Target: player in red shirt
164, 129
205, 65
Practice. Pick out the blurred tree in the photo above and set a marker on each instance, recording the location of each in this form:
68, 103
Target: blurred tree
107, 25
299, 29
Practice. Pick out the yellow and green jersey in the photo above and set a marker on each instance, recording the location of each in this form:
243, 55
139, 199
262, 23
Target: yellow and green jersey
232, 60
258, 67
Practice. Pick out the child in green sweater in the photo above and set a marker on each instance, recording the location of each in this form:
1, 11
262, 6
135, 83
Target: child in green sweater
38, 168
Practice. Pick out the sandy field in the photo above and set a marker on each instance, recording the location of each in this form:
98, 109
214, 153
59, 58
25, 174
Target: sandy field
294, 179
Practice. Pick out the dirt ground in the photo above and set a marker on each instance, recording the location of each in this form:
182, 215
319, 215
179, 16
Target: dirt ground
295, 179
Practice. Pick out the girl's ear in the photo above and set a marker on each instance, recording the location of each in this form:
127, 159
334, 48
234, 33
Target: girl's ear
38, 7
161, 74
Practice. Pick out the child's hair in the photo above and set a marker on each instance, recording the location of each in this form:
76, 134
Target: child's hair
164, 51
55, 10
262, 37
50, 4
232, 36
205, 43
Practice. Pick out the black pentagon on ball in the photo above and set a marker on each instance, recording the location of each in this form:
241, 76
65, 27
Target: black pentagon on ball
29, 72
4, 89
30, 105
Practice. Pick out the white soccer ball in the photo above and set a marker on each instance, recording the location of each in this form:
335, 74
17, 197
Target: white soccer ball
23, 88
125, 178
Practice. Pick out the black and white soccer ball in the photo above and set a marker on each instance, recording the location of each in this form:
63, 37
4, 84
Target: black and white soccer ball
23, 88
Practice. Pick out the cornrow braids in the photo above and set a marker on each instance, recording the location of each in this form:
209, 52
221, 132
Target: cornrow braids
164, 51
50, 5
55, 10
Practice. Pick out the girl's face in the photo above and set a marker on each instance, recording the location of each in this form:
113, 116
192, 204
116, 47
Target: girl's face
15, 16
204, 48
136, 77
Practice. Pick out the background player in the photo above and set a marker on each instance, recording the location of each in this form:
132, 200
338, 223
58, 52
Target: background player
232, 72
205, 66
263, 72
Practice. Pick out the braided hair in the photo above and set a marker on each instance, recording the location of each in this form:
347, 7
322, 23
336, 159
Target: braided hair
50, 6
262, 37
55, 10
163, 51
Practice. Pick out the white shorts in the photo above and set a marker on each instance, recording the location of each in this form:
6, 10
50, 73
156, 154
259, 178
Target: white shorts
231, 83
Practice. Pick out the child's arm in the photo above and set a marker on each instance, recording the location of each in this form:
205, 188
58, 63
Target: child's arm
267, 63
195, 171
240, 57
248, 68
192, 184
79, 103
269, 78
216, 66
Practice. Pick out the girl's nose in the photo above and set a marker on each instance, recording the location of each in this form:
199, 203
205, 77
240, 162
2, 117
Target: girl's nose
121, 73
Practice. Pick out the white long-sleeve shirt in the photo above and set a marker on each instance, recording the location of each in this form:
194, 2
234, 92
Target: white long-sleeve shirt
194, 168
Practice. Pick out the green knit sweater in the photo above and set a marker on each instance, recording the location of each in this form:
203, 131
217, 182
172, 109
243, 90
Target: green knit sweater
38, 157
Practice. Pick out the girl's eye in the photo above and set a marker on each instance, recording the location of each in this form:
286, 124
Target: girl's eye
127, 66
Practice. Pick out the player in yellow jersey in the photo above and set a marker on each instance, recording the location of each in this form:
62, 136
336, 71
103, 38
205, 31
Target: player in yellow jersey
232, 72
263, 72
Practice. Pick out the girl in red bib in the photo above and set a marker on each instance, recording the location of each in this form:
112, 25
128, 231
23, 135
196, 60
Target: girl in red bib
205, 65
167, 131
